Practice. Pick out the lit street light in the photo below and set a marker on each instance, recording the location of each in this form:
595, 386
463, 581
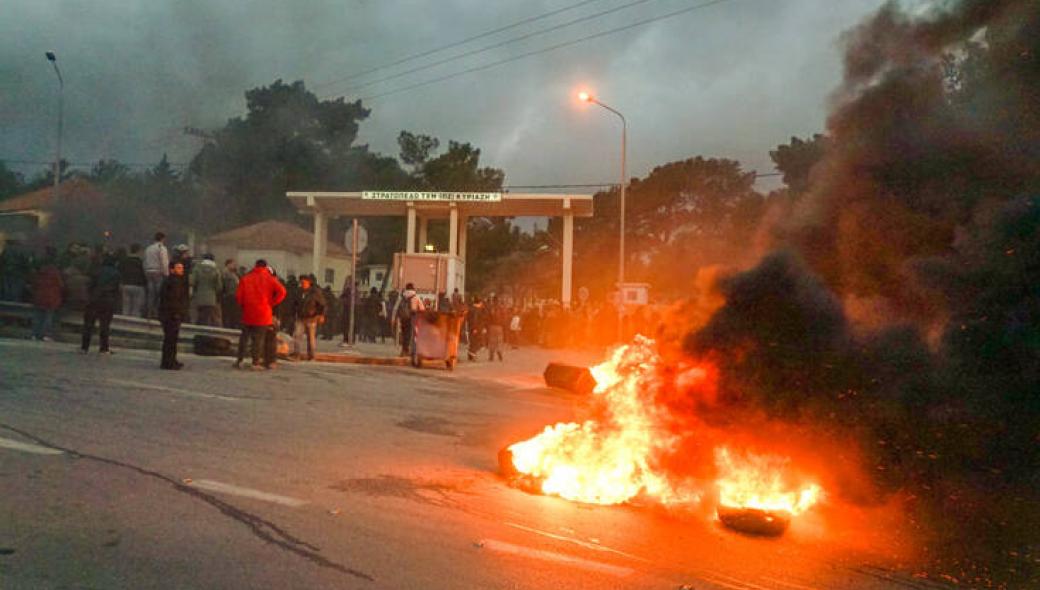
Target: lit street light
586, 97
61, 114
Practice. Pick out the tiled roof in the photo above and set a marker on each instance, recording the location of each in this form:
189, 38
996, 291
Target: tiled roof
274, 235
76, 188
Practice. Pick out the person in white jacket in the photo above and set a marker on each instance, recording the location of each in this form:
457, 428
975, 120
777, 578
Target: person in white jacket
156, 268
408, 305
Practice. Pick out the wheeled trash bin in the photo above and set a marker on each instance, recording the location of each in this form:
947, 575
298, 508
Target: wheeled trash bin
436, 338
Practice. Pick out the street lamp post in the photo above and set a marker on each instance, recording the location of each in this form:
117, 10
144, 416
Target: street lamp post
586, 97
61, 115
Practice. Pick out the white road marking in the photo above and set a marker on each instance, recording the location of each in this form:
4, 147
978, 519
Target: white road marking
15, 445
719, 578
579, 542
226, 488
788, 584
185, 392
511, 549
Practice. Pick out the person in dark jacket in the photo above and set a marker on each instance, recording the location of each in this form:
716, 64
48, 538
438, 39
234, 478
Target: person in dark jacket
476, 320
104, 297
309, 312
174, 305
329, 328
46, 293
230, 313
131, 273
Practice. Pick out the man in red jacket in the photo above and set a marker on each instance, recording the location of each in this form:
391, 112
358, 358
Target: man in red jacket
46, 291
258, 293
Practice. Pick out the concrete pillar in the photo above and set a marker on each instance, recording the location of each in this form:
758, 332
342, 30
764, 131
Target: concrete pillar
453, 230
321, 230
424, 227
463, 226
568, 254
410, 240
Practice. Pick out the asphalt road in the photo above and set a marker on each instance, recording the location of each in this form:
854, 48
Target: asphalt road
114, 474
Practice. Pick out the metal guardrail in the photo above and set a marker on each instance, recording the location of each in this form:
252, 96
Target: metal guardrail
122, 326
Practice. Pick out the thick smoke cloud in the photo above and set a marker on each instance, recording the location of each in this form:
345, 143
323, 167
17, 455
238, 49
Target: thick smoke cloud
927, 204
907, 165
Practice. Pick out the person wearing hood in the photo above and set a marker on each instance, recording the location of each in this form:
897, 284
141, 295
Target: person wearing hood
174, 302
258, 292
206, 285
104, 297
408, 305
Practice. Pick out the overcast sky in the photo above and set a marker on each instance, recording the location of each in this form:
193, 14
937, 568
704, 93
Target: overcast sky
733, 79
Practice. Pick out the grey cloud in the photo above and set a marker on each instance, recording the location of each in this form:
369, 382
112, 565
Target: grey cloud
731, 80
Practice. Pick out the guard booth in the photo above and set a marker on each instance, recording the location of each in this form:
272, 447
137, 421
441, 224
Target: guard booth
419, 208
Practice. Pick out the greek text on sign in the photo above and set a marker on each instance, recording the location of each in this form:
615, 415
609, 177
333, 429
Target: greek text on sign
429, 196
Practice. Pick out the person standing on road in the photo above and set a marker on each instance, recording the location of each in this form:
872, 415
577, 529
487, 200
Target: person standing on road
134, 282
206, 285
496, 323
515, 327
230, 314
46, 292
258, 292
174, 302
328, 329
309, 313
408, 305
104, 297
156, 268
476, 321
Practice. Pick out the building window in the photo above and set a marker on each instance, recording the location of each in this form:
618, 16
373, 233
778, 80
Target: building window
379, 277
330, 276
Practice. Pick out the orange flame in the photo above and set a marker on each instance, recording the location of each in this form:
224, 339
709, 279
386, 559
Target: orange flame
761, 482
613, 459
608, 461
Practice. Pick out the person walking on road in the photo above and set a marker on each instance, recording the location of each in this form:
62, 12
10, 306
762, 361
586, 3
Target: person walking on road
206, 285
134, 282
104, 297
174, 302
258, 292
46, 293
309, 313
156, 268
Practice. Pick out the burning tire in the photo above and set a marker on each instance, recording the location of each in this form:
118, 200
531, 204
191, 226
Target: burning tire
508, 470
752, 521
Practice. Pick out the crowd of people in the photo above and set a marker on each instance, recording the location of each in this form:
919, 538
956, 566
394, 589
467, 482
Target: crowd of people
174, 288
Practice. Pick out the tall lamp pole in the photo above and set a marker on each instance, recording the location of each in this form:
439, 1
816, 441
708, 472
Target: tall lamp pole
61, 116
586, 97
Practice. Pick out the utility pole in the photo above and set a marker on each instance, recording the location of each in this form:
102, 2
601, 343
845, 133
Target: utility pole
353, 279
51, 57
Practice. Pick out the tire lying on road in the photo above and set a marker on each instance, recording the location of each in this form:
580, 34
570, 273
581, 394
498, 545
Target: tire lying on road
752, 521
212, 346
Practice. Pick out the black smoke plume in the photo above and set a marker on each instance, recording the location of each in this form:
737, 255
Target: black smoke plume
927, 202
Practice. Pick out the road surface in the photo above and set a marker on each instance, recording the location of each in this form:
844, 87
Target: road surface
114, 474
